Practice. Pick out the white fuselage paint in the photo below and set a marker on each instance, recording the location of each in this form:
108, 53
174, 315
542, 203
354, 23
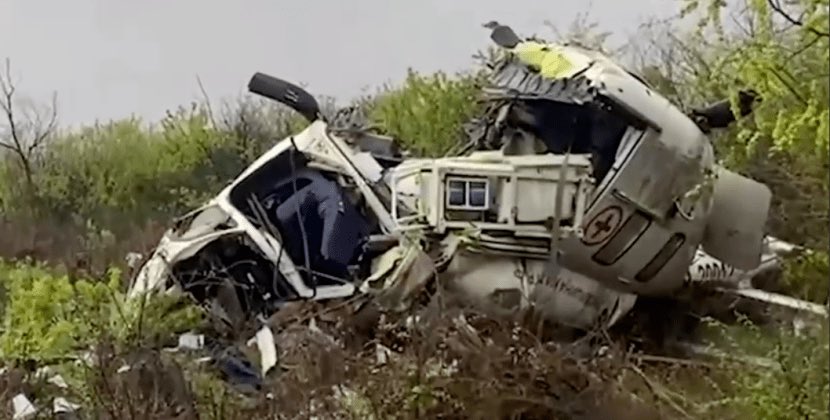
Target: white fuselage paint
572, 299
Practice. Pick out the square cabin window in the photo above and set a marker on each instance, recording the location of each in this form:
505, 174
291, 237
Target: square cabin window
468, 194
457, 193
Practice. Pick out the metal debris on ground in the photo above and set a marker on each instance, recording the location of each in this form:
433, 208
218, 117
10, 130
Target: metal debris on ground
23, 408
191, 341
62, 405
267, 349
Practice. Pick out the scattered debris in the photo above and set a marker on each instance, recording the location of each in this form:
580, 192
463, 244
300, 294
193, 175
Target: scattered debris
237, 370
58, 381
133, 259
51, 377
87, 358
23, 408
61, 405
190, 341
382, 354
267, 349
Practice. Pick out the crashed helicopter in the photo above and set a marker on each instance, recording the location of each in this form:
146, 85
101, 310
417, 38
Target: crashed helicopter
578, 190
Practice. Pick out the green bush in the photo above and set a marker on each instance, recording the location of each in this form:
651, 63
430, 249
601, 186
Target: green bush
123, 171
128, 171
806, 276
112, 179
795, 387
49, 317
426, 112
784, 143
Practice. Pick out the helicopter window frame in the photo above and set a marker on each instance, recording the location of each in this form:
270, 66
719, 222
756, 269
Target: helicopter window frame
467, 190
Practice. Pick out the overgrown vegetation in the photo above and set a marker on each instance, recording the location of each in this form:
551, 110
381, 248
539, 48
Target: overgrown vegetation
74, 203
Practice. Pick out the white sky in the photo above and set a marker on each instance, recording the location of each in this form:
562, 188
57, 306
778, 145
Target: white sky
112, 58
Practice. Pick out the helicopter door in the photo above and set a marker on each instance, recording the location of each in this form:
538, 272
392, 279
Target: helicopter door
635, 250
735, 230
628, 237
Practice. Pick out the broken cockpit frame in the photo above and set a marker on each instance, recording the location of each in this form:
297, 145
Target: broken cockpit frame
317, 215
285, 229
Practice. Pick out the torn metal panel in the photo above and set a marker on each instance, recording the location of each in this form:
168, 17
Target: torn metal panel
382, 266
511, 81
399, 275
190, 234
62, 405
23, 408
267, 349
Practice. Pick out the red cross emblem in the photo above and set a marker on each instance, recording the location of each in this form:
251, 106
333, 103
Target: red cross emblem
602, 225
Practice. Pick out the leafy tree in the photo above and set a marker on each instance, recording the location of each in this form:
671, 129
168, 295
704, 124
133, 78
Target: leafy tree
426, 113
785, 142
783, 52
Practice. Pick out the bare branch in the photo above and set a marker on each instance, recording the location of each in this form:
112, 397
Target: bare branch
775, 5
8, 146
744, 21
206, 98
805, 47
42, 129
8, 88
27, 130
